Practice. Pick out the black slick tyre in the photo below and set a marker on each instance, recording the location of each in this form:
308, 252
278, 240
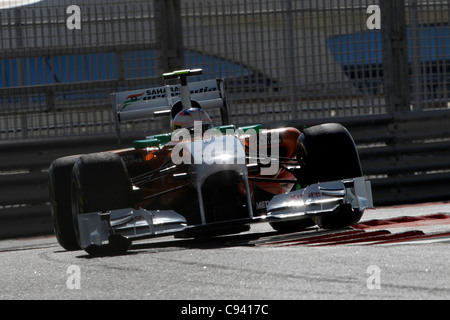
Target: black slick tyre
59, 178
327, 152
100, 183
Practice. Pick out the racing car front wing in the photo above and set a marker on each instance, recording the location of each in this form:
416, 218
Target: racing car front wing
322, 198
95, 228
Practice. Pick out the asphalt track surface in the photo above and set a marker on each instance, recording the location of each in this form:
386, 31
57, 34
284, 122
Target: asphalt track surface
393, 253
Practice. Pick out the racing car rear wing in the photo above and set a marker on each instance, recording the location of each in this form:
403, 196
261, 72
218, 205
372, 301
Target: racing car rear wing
167, 100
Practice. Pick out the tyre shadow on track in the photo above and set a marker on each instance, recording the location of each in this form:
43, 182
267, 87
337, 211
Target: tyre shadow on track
252, 239
206, 243
236, 240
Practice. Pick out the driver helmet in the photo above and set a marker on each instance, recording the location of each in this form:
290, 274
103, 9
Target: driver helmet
185, 119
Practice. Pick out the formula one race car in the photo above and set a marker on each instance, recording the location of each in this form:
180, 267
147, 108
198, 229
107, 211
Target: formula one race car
203, 181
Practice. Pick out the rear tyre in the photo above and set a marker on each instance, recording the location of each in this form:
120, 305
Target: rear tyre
100, 183
59, 178
327, 152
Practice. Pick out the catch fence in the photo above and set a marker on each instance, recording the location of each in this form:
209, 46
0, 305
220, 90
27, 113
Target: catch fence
282, 60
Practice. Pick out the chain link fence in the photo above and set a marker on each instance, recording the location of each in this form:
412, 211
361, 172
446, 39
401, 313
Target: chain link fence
282, 60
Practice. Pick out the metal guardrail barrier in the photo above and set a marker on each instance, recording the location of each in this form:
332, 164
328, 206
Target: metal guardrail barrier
24, 192
405, 155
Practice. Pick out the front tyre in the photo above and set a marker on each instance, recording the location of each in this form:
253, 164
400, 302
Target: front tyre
327, 152
100, 183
